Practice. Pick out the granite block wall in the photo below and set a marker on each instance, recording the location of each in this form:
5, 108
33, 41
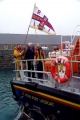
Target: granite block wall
6, 59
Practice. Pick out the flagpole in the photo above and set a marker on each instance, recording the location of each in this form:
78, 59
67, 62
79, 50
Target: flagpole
29, 27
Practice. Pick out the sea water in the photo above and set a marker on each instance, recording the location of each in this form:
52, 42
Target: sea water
8, 106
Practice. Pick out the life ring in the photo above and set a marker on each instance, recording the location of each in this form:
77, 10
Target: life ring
64, 61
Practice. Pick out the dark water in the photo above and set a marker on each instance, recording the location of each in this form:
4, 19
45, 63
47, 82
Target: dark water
8, 107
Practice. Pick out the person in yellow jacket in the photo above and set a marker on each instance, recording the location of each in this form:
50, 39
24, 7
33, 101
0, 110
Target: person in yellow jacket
39, 54
18, 55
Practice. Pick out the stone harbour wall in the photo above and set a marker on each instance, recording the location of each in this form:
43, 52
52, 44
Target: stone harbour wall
6, 59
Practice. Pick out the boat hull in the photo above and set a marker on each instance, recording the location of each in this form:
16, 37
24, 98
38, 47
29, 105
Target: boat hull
44, 102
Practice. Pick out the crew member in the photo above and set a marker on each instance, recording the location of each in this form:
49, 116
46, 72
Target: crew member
30, 55
56, 48
39, 54
18, 56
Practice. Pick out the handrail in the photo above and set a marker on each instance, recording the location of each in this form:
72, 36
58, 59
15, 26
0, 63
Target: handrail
73, 33
46, 81
75, 29
74, 37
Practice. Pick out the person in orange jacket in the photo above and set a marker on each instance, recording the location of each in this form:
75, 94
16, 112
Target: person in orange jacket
39, 54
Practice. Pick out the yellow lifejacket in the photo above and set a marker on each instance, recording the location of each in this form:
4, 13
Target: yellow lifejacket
17, 54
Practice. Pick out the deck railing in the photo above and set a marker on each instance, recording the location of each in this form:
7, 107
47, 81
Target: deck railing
73, 82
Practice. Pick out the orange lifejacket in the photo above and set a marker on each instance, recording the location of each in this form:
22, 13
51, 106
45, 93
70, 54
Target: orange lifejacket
37, 55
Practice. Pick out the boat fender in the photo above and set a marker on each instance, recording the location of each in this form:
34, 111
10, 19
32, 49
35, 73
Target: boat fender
61, 61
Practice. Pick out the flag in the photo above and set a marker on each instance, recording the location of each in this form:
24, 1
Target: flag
40, 22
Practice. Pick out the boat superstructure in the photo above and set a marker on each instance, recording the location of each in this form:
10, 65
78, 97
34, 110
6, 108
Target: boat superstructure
48, 99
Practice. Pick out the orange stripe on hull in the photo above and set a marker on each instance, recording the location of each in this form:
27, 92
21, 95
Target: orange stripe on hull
49, 97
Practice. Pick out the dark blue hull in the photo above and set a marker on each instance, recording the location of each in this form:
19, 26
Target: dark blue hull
42, 102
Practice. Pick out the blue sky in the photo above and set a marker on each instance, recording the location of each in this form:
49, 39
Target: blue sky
15, 15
